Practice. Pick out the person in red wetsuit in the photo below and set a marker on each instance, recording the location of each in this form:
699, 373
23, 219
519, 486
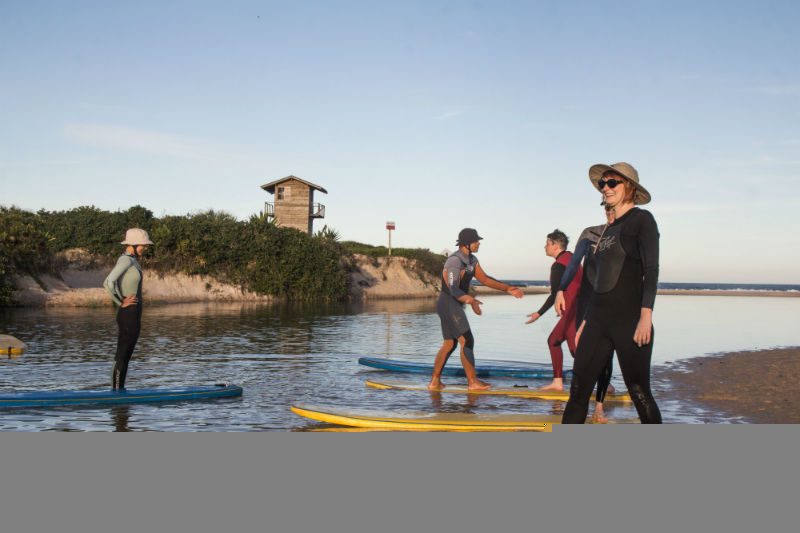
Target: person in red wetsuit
556, 247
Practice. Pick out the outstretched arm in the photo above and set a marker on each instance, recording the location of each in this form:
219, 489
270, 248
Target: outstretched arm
556, 273
489, 281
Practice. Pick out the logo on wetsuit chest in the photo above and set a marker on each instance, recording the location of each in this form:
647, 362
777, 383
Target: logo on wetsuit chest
606, 243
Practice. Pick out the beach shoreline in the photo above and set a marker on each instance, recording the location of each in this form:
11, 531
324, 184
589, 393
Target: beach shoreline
79, 283
538, 289
753, 386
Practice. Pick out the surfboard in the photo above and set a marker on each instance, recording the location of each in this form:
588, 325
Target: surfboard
107, 396
11, 346
506, 369
521, 392
420, 421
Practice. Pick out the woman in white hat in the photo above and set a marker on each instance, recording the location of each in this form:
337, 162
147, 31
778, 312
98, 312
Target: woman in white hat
620, 313
124, 284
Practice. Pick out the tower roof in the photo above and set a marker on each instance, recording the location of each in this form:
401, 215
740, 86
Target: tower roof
270, 187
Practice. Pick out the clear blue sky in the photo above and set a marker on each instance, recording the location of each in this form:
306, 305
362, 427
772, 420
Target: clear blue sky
437, 115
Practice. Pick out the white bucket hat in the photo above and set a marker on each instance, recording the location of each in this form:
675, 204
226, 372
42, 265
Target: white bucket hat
136, 237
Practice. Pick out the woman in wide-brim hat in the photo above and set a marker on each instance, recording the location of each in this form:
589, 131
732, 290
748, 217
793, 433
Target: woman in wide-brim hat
124, 284
620, 313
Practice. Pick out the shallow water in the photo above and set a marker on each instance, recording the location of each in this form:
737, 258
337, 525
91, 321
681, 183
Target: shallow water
285, 354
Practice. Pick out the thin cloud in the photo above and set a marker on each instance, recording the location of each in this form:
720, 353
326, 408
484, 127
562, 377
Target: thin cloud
448, 115
107, 108
136, 140
544, 126
74, 161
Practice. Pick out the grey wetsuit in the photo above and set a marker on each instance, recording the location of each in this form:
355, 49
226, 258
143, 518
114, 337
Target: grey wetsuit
459, 269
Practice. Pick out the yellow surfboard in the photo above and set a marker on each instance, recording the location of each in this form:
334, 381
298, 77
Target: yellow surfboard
420, 421
11, 346
520, 392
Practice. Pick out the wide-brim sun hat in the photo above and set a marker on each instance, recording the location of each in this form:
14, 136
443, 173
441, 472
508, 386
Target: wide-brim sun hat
136, 237
626, 170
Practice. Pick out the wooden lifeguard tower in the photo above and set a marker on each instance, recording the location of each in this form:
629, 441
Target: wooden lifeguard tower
294, 205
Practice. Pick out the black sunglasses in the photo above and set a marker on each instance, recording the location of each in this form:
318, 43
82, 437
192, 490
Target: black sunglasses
611, 182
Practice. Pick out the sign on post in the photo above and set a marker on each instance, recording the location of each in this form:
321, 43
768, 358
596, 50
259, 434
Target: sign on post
390, 227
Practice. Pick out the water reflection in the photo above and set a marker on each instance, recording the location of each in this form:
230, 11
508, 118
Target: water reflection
307, 353
120, 415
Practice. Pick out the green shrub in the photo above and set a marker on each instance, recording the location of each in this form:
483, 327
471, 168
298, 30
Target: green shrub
256, 254
427, 261
24, 242
5, 279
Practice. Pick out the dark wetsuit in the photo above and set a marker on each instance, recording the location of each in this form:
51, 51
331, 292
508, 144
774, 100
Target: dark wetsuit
584, 251
459, 269
626, 281
125, 280
564, 329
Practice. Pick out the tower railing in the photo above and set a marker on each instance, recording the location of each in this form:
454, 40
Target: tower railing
317, 211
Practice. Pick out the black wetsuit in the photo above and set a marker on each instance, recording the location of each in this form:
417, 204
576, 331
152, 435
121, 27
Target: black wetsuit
584, 251
129, 320
626, 281
121, 282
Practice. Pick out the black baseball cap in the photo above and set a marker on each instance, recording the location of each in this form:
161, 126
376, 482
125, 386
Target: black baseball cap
467, 236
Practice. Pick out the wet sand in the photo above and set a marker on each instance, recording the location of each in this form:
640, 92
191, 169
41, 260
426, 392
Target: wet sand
761, 387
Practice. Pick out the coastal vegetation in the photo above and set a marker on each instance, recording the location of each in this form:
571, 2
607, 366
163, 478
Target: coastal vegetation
426, 261
255, 254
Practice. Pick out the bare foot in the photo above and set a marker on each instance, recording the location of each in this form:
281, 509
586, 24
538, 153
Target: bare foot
610, 389
553, 387
557, 384
599, 416
435, 385
478, 385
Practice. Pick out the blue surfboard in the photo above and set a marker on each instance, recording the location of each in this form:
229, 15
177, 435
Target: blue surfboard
108, 396
505, 369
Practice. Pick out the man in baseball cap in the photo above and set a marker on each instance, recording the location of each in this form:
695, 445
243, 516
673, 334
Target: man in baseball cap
459, 269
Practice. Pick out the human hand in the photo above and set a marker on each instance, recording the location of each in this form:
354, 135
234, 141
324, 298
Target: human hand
644, 329
516, 292
561, 303
476, 306
533, 317
129, 301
